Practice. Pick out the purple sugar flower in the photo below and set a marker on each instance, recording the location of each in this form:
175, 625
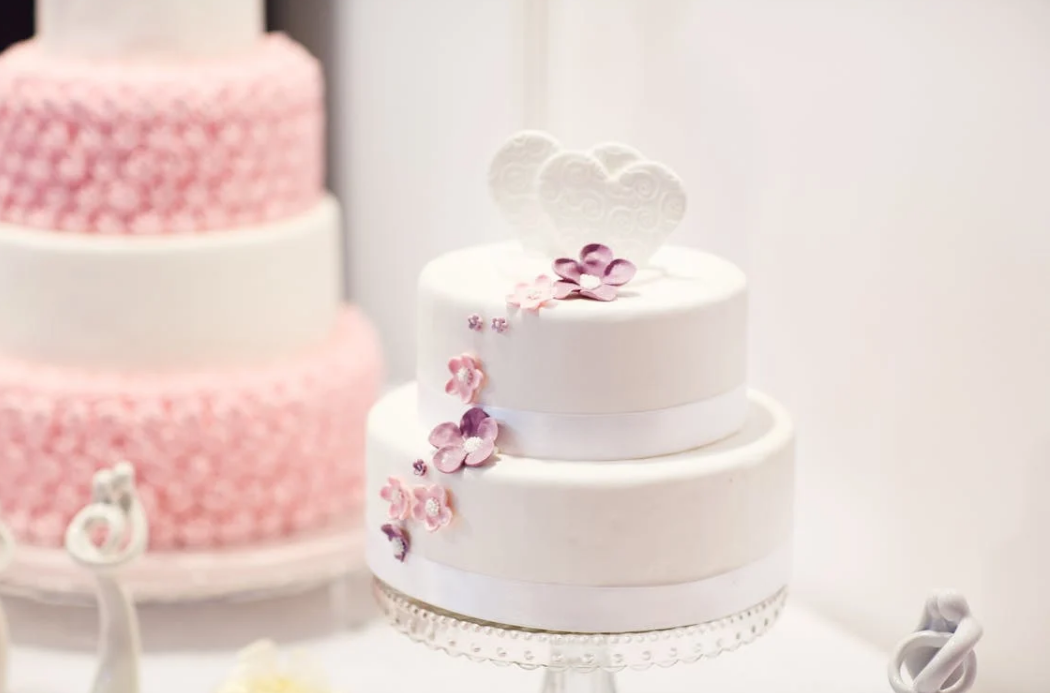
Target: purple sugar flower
596, 275
419, 468
472, 442
474, 322
398, 540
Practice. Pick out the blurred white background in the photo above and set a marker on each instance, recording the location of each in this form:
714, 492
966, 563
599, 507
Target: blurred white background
880, 168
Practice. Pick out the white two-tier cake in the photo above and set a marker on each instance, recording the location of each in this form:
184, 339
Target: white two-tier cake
580, 451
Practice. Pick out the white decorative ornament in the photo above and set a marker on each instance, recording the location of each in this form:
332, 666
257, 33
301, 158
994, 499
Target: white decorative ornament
559, 201
632, 211
107, 534
939, 656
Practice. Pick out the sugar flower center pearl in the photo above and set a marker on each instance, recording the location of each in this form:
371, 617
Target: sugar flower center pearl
472, 444
399, 545
463, 374
589, 282
432, 507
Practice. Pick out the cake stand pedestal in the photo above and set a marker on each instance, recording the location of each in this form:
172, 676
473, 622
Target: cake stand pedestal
574, 662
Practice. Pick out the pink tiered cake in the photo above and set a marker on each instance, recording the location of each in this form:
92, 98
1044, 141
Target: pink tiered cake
170, 273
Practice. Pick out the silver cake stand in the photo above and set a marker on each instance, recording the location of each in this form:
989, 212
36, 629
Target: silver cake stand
574, 662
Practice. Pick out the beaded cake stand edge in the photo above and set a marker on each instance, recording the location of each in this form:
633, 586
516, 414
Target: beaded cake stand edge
574, 661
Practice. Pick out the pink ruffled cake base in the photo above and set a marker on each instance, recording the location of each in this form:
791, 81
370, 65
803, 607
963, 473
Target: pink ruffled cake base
222, 459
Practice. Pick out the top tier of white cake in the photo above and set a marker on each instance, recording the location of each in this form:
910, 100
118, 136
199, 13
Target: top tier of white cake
114, 29
667, 357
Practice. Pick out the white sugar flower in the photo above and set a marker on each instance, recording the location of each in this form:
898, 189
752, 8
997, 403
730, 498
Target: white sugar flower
260, 669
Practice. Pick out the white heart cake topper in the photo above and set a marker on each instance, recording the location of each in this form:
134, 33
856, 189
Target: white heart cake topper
559, 201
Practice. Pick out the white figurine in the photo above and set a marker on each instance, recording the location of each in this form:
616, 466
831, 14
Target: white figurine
116, 513
938, 657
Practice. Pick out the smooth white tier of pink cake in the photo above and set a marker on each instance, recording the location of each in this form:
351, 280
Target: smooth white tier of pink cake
224, 458
122, 147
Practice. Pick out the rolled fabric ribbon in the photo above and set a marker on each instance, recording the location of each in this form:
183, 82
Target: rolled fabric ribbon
580, 608
603, 437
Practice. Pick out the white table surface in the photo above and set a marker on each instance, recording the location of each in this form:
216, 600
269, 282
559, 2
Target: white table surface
191, 648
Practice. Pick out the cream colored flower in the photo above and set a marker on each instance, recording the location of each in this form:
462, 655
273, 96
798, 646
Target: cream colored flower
260, 669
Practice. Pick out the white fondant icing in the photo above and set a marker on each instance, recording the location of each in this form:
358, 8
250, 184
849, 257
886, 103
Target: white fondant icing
176, 302
632, 435
676, 335
144, 28
579, 608
658, 521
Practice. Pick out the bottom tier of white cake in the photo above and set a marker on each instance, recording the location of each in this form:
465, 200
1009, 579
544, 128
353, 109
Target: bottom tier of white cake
586, 546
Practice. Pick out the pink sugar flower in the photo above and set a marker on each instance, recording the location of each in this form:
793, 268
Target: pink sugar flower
470, 443
533, 296
431, 507
399, 498
597, 274
466, 379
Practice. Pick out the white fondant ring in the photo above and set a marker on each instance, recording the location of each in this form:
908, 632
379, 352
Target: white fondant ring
603, 437
579, 608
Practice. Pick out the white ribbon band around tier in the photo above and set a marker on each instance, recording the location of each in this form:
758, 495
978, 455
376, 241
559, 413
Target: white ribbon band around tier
579, 608
602, 437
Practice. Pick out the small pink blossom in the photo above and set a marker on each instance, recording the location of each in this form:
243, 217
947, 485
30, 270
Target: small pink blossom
419, 468
470, 443
399, 498
474, 322
499, 325
466, 379
533, 296
431, 507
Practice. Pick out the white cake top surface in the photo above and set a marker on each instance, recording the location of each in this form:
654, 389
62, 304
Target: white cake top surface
677, 278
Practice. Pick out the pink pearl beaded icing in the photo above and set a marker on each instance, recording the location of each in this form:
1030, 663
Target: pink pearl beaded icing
116, 147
